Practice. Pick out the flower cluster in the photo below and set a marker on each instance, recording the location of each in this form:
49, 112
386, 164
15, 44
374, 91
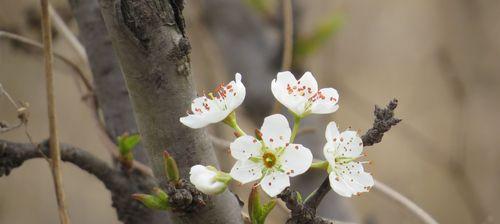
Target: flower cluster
271, 156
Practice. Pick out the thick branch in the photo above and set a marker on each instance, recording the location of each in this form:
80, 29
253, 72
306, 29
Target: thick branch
149, 40
110, 89
306, 212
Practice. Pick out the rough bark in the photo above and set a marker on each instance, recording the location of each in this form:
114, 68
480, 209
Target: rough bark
148, 37
110, 89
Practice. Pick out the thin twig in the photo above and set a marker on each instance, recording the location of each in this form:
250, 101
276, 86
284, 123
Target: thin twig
55, 152
287, 57
5, 93
286, 62
79, 70
73, 41
410, 205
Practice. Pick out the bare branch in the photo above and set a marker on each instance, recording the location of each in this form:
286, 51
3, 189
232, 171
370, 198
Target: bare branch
286, 62
401, 199
80, 71
61, 26
121, 185
54, 141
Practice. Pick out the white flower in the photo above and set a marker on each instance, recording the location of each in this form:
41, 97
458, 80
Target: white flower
302, 97
347, 176
208, 180
273, 158
215, 108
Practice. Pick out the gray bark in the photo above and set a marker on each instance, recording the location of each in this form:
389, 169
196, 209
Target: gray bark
110, 89
148, 37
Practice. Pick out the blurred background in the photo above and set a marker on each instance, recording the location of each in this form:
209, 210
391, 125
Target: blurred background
440, 59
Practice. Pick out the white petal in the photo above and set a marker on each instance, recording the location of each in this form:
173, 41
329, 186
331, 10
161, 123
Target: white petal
235, 92
325, 102
296, 159
282, 92
348, 144
354, 177
245, 147
246, 171
194, 121
275, 131
339, 186
308, 81
274, 183
331, 131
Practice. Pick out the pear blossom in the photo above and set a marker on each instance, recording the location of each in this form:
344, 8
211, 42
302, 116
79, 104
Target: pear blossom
208, 179
273, 159
215, 107
302, 96
347, 176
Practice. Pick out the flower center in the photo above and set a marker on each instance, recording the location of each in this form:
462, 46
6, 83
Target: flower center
269, 159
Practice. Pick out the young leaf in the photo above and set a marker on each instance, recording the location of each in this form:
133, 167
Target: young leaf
128, 142
151, 201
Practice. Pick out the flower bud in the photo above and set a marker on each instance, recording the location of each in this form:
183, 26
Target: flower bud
171, 169
208, 179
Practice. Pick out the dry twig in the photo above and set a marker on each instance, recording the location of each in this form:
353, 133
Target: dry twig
55, 152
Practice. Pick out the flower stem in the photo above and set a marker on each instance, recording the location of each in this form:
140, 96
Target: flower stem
296, 124
320, 165
231, 122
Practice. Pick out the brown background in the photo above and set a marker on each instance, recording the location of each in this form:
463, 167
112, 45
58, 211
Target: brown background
440, 58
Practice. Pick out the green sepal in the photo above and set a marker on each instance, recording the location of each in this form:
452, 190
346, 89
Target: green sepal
161, 195
170, 166
258, 212
151, 201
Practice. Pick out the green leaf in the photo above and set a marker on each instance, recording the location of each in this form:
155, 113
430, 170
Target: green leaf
306, 45
128, 142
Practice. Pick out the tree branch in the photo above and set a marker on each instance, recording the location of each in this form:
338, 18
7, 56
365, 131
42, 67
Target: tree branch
306, 212
54, 140
110, 89
27, 41
149, 39
121, 185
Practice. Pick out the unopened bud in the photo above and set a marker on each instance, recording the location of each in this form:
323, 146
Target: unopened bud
170, 166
